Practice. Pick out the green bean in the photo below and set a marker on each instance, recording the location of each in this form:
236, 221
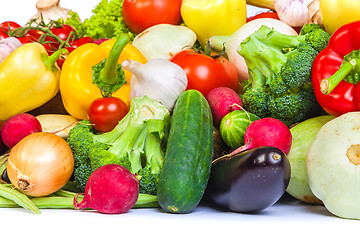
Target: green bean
65, 193
55, 202
6, 203
10, 193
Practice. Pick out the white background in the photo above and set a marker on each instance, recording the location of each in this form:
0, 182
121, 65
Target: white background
287, 219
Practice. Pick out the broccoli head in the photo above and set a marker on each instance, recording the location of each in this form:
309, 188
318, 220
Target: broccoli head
279, 65
135, 143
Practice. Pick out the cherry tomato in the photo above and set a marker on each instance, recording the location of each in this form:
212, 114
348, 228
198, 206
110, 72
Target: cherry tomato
26, 39
105, 113
78, 42
62, 32
3, 33
142, 14
206, 73
9, 25
35, 34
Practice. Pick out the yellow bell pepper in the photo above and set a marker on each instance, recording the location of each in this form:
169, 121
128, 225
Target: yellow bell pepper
208, 18
77, 88
29, 78
336, 13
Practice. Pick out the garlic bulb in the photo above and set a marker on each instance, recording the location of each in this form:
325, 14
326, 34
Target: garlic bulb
158, 79
293, 12
7, 46
48, 10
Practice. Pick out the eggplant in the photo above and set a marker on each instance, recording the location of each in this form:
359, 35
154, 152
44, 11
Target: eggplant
249, 181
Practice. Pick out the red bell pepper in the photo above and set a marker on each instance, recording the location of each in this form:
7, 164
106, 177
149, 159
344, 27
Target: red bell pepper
336, 72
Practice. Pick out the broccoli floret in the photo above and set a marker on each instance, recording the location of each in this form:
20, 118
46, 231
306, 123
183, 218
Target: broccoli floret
81, 175
279, 84
135, 143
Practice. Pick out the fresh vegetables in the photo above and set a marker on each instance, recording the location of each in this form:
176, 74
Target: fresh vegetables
58, 124
335, 73
188, 154
142, 14
40, 164
86, 76
110, 189
105, 113
303, 135
7, 46
164, 40
19, 126
332, 165
158, 79
135, 143
37, 79
232, 42
223, 100
279, 84
233, 127
250, 181
336, 13
208, 18
266, 132
206, 71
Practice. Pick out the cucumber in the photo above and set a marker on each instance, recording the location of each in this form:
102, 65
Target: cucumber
233, 127
188, 154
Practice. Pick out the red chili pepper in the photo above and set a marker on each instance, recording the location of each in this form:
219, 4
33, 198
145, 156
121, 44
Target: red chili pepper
335, 93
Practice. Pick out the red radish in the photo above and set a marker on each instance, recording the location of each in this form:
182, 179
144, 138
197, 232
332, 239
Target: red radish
19, 126
110, 189
223, 100
266, 132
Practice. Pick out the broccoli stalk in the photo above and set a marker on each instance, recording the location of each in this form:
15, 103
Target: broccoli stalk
135, 143
279, 66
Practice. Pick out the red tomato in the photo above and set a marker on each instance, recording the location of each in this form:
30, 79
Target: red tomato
141, 14
10, 25
105, 113
206, 73
3, 33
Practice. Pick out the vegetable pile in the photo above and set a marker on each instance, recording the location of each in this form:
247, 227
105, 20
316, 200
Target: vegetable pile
168, 104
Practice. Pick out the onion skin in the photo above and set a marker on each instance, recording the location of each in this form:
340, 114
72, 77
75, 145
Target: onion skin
40, 164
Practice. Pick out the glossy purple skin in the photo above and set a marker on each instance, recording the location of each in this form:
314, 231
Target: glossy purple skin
250, 181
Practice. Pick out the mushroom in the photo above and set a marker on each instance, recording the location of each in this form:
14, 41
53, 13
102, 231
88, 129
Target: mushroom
48, 10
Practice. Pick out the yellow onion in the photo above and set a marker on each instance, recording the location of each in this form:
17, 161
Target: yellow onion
40, 164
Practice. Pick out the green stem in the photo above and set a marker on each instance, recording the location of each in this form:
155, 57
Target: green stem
109, 74
327, 85
49, 61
